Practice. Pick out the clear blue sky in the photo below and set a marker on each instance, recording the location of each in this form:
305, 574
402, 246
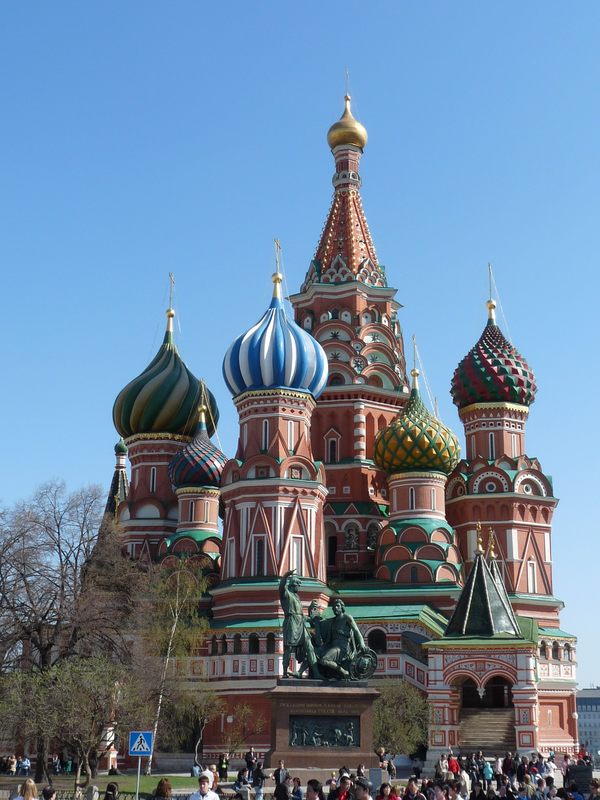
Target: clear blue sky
140, 138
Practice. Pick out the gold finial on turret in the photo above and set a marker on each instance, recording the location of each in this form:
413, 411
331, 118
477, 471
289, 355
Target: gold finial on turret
202, 409
492, 544
170, 312
277, 276
479, 539
491, 305
415, 376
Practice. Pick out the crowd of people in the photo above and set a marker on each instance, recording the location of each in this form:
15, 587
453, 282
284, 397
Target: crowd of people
15, 765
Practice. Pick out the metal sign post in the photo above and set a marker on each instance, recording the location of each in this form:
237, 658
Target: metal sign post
140, 745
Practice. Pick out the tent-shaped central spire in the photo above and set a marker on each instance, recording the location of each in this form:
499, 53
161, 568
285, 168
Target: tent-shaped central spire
483, 608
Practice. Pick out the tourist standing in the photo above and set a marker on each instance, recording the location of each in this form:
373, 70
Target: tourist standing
250, 759
281, 774
314, 790
223, 766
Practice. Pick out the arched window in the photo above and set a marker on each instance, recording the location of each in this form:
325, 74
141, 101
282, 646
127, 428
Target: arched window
270, 643
152, 479
334, 313
259, 560
253, 644
412, 503
568, 654
265, 434
555, 651
377, 641
335, 379
213, 646
331, 550
492, 445
308, 323
237, 644
543, 650
223, 645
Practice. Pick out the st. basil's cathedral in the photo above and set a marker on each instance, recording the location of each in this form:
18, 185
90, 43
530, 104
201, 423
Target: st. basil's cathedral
344, 475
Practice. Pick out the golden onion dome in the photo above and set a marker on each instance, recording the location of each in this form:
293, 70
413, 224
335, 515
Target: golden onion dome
347, 130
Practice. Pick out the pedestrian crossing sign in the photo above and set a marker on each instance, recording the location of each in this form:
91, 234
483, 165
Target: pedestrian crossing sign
140, 743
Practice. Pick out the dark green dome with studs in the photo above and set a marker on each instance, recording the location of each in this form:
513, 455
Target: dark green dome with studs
416, 440
165, 397
493, 371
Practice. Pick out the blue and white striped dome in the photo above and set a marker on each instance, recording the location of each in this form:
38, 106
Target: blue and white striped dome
275, 353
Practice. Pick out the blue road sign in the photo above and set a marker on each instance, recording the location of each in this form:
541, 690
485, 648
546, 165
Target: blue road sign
140, 743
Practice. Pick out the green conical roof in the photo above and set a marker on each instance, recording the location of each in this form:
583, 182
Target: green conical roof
483, 608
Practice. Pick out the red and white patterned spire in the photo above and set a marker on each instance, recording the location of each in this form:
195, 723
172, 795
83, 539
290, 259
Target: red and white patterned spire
346, 251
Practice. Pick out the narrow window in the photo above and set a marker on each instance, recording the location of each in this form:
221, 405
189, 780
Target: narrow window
333, 457
531, 577
237, 644
245, 434
414, 575
270, 642
492, 446
473, 447
515, 451
259, 565
152, 479
253, 644
291, 437
223, 645
265, 434
433, 499
192, 514
412, 504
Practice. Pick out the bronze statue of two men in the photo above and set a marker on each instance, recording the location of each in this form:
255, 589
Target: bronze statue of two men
333, 650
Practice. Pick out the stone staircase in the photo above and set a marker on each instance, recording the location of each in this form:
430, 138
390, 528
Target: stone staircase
489, 729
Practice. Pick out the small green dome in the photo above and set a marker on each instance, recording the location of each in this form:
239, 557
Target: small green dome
165, 397
416, 440
120, 448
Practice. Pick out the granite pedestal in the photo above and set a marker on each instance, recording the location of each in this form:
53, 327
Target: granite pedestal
322, 724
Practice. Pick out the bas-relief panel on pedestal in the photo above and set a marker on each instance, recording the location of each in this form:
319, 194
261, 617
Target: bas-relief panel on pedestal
324, 731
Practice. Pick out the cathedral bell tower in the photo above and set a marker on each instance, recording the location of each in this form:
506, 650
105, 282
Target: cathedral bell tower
346, 304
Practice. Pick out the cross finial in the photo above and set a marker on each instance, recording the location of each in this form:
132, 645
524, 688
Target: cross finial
277, 254
171, 287
490, 277
347, 81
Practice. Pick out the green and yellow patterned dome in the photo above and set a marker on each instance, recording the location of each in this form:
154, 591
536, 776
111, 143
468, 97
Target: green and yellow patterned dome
416, 440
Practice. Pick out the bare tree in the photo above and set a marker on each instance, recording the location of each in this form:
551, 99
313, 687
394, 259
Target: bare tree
174, 625
64, 587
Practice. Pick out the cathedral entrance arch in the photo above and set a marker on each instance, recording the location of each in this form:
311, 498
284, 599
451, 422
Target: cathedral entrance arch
495, 693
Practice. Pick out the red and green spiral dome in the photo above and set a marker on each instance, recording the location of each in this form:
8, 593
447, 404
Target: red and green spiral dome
493, 371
